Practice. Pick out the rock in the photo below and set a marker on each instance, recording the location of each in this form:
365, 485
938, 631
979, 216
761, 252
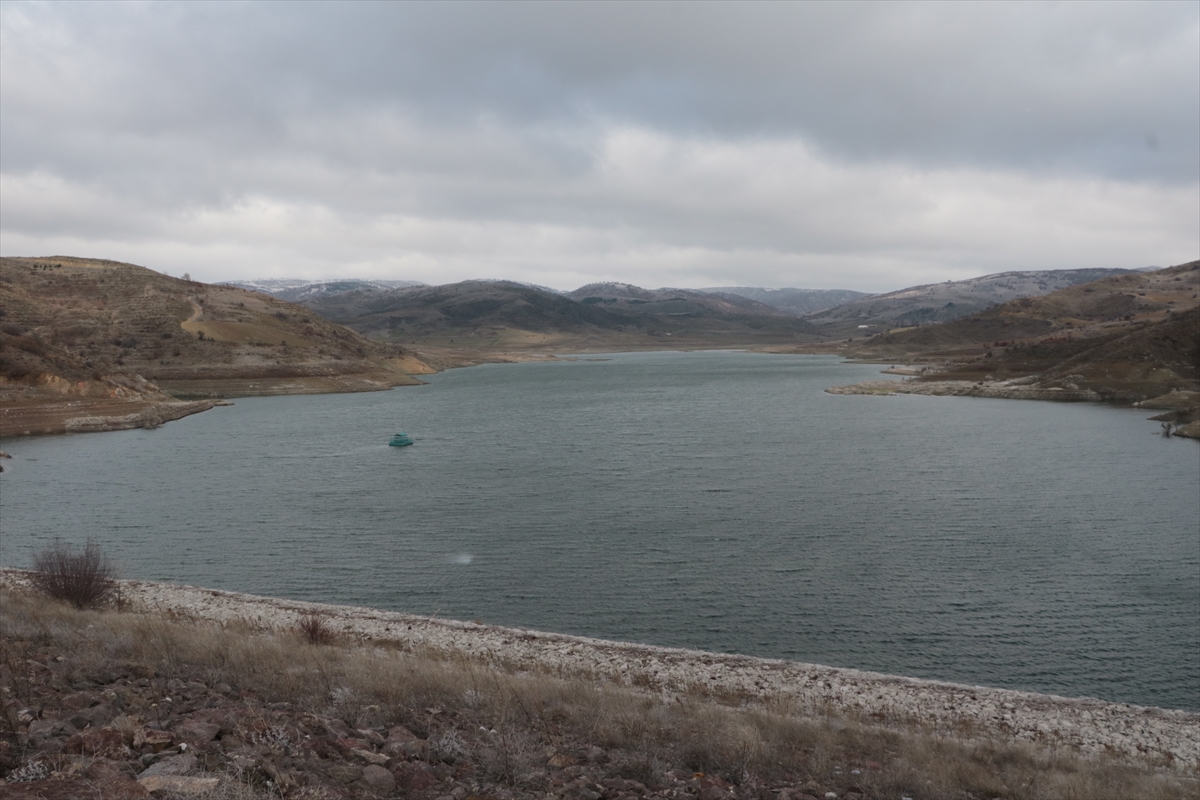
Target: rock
374, 737
110, 781
345, 773
416, 777
196, 732
153, 738
123, 787
378, 759
105, 743
181, 764
378, 779
177, 784
41, 730
78, 701
403, 743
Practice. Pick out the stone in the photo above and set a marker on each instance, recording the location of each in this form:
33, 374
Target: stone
345, 773
181, 764
110, 781
378, 779
403, 743
42, 729
74, 789
155, 739
195, 732
178, 784
378, 759
78, 701
374, 737
415, 778
104, 742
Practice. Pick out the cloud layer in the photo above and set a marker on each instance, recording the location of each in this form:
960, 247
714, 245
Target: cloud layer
865, 146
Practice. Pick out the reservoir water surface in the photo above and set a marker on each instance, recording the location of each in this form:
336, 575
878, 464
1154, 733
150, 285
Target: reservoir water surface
718, 501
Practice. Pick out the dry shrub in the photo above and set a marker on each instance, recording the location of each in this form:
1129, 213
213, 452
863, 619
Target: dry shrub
315, 630
85, 579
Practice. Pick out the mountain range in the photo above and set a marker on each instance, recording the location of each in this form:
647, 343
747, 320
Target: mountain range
79, 334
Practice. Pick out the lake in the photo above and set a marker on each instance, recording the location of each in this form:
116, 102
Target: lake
716, 500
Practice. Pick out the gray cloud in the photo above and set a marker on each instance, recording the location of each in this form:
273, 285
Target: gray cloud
820, 144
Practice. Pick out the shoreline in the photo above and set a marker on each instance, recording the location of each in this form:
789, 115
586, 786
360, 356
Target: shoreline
1017, 389
1093, 727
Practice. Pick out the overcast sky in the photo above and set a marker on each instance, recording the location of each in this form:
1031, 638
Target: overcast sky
821, 145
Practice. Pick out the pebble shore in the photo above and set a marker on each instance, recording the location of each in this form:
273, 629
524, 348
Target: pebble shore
1091, 726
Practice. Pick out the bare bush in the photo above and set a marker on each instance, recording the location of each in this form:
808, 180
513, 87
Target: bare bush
315, 629
85, 579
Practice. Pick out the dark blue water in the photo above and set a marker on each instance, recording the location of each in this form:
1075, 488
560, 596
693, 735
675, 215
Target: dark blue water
708, 500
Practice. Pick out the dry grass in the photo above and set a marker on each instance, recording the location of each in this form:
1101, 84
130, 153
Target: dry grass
505, 724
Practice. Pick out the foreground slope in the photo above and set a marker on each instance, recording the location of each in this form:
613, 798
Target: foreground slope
271, 698
85, 343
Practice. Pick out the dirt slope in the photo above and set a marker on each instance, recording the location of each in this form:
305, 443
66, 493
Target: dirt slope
85, 343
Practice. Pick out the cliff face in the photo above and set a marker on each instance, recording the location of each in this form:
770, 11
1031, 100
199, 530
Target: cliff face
86, 338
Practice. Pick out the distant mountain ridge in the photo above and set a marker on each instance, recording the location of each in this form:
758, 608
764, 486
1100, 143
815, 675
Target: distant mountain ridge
632, 299
500, 313
798, 302
294, 291
943, 302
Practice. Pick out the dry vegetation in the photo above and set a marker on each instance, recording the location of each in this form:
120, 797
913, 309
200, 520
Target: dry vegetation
93, 698
84, 338
1125, 339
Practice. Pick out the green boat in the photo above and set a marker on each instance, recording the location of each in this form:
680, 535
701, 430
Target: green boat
401, 440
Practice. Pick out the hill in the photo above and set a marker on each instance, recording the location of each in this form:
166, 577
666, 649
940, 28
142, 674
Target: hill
295, 291
943, 302
86, 343
1129, 338
495, 315
797, 302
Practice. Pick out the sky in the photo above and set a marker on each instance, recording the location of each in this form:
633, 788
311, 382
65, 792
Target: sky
866, 146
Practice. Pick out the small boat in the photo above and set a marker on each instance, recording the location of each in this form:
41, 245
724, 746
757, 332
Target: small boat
400, 440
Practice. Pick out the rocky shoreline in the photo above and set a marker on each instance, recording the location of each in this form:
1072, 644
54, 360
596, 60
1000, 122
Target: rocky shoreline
1087, 725
1018, 389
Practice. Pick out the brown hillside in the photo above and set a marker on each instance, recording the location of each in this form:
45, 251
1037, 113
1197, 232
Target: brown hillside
1116, 304
74, 332
1131, 338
